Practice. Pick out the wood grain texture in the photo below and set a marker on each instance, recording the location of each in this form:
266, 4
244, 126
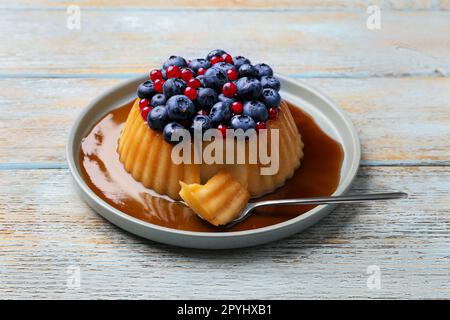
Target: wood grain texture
45, 227
310, 44
238, 4
404, 119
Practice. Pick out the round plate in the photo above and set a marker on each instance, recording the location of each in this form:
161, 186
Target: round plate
325, 112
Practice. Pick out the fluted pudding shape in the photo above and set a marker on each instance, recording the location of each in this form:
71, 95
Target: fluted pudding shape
147, 157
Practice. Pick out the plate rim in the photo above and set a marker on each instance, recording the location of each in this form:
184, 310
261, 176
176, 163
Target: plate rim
88, 192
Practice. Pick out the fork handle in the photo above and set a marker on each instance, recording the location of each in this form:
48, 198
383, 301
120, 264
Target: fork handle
334, 199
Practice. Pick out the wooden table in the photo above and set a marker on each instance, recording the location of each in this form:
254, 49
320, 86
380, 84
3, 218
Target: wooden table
393, 82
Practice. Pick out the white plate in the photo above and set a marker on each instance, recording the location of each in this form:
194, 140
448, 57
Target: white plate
325, 112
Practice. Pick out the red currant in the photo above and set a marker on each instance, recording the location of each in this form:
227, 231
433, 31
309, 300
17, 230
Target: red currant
191, 93
143, 103
158, 85
156, 74
237, 107
273, 112
186, 74
232, 74
227, 58
201, 71
229, 89
216, 59
145, 111
173, 72
223, 129
260, 125
194, 83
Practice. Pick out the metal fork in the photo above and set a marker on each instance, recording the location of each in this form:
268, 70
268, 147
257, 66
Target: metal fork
248, 210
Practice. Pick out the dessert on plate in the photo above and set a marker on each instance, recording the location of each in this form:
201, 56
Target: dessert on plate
215, 95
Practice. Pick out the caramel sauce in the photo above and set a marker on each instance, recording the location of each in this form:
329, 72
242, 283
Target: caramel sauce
318, 175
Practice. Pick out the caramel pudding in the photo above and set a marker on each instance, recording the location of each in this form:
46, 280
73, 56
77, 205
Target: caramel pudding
102, 170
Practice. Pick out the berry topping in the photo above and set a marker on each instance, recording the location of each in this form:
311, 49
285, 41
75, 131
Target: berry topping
146, 90
217, 92
173, 72
201, 122
257, 110
196, 64
220, 112
260, 125
215, 78
270, 82
191, 93
247, 70
157, 118
170, 130
273, 112
215, 53
156, 74
173, 87
158, 100
180, 107
194, 83
215, 60
238, 61
227, 58
175, 61
186, 74
232, 74
145, 111
242, 122
237, 107
270, 98
248, 88
201, 71
229, 89
206, 98
143, 103
223, 129
264, 70
158, 84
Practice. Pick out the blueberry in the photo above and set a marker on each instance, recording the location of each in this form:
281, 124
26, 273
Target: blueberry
175, 61
271, 97
201, 80
257, 110
146, 90
238, 61
264, 70
201, 122
196, 64
170, 129
158, 100
206, 98
215, 78
226, 100
223, 66
157, 118
247, 70
220, 112
215, 53
242, 122
270, 82
173, 86
180, 107
248, 88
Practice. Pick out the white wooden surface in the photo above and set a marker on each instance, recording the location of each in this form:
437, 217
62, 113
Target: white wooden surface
394, 84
